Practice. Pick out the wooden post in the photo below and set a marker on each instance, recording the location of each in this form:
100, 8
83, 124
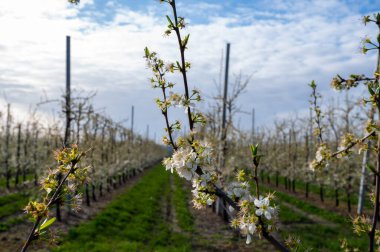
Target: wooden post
68, 116
132, 121
68, 93
224, 115
223, 140
363, 183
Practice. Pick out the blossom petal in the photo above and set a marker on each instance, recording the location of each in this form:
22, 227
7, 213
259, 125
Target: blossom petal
259, 212
249, 239
267, 215
257, 203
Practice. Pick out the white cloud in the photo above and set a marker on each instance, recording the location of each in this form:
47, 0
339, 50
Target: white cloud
284, 48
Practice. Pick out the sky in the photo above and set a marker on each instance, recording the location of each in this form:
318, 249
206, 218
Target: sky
281, 44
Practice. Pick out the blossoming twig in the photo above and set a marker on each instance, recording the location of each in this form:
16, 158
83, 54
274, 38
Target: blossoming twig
68, 160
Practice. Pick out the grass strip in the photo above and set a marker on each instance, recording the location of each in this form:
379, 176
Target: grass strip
133, 222
180, 200
319, 236
12, 203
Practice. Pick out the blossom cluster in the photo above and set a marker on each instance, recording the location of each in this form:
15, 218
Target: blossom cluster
68, 160
254, 211
185, 161
238, 190
338, 83
201, 191
180, 101
347, 140
36, 209
322, 156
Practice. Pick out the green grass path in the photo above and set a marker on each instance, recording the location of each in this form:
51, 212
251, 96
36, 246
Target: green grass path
11, 209
137, 220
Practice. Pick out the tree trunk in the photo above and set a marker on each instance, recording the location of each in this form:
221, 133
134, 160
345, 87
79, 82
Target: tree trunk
35, 178
277, 179
321, 196
336, 197
6, 150
225, 214
294, 185
114, 182
349, 201
18, 154
93, 192
286, 183
108, 185
87, 195
26, 152
363, 182
101, 190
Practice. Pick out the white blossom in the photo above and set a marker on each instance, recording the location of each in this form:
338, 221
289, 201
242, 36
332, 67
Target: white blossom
318, 154
322, 153
239, 190
249, 239
201, 198
184, 161
231, 209
264, 208
169, 165
249, 229
205, 178
210, 201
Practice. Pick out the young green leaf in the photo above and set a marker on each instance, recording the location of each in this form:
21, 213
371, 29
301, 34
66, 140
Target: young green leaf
146, 52
370, 90
170, 21
47, 223
254, 150
185, 40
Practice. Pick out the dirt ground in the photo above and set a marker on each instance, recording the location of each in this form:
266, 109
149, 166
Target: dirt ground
214, 235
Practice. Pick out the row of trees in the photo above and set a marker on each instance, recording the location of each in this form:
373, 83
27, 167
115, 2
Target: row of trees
27, 147
109, 155
289, 145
